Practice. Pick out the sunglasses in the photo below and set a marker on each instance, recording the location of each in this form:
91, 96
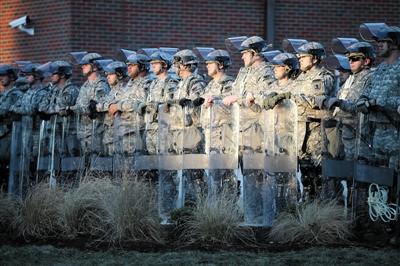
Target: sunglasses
356, 58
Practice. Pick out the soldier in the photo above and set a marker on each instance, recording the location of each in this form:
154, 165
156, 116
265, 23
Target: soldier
361, 55
221, 125
161, 90
8, 95
95, 88
63, 94
131, 104
313, 84
116, 73
280, 130
188, 95
252, 80
380, 100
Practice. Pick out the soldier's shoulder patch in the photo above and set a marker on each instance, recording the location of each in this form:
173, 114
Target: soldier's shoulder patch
317, 84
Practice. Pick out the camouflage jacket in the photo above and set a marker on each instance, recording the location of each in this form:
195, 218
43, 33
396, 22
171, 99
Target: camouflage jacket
131, 102
160, 92
59, 98
218, 90
350, 91
28, 104
385, 89
191, 88
91, 90
315, 82
254, 80
110, 98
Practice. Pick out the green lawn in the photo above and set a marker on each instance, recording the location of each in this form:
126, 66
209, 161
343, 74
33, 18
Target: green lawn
49, 255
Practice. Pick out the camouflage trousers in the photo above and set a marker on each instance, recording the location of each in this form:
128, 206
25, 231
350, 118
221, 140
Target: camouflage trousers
5, 145
310, 142
151, 139
386, 145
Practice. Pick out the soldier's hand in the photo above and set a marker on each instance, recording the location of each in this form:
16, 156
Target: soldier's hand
209, 102
198, 101
44, 116
184, 102
166, 107
230, 99
92, 106
112, 109
250, 99
333, 102
269, 102
320, 101
362, 106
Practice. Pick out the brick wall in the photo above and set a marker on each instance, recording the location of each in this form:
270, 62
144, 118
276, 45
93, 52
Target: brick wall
322, 20
106, 26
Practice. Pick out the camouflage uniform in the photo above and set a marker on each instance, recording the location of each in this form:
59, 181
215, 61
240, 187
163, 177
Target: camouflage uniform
192, 87
315, 82
102, 107
384, 120
160, 92
91, 90
55, 103
254, 80
221, 138
345, 113
130, 103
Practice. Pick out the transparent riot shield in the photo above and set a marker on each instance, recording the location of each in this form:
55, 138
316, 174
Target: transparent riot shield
72, 158
99, 161
255, 188
280, 131
146, 162
171, 193
118, 151
21, 169
15, 155
370, 167
48, 159
221, 133
195, 159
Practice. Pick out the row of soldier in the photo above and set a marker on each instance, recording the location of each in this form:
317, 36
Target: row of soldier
282, 115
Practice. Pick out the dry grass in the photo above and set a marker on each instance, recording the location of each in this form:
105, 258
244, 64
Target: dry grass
9, 210
83, 212
131, 213
39, 215
216, 220
315, 222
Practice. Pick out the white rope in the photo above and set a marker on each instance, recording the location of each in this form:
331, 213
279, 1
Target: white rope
378, 206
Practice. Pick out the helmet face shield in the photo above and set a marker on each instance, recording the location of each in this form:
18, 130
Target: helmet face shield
233, 44
269, 55
77, 56
291, 45
374, 32
185, 57
340, 45
337, 62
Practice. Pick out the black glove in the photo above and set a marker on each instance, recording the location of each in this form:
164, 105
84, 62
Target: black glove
166, 107
364, 105
320, 101
44, 116
198, 101
333, 102
66, 111
92, 109
184, 102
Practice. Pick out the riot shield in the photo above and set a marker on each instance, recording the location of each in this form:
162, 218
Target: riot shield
99, 162
370, 167
280, 140
340, 45
221, 131
72, 159
171, 193
20, 161
255, 188
48, 159
15, 154
194, 157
